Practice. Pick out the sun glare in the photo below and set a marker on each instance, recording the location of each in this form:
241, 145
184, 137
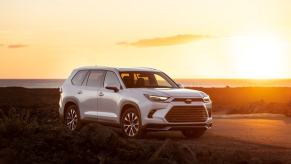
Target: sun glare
259, 57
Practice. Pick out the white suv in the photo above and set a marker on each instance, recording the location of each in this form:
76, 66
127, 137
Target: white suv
135, 99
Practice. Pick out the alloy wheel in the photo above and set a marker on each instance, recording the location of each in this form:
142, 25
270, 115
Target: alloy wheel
131, 124
71, 119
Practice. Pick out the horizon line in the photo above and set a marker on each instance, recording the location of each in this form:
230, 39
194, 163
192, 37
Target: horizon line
172, 78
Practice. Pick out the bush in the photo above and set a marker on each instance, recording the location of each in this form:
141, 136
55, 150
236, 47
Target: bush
26, 137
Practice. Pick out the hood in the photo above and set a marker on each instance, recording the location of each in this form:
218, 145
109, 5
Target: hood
172, 92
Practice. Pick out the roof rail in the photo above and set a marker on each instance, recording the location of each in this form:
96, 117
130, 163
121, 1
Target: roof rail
147, 68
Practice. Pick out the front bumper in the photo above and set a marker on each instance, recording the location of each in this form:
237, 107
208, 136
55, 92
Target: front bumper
159, 120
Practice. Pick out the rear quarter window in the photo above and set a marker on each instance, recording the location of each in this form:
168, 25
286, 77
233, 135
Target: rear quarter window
79, 77
96, 78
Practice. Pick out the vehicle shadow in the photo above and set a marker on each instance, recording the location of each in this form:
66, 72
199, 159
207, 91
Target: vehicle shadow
162, 135
157, 135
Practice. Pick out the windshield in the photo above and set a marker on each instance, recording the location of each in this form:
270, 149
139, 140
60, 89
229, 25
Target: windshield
147, 80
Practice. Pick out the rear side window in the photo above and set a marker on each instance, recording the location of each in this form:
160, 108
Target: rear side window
79, 78
95, 78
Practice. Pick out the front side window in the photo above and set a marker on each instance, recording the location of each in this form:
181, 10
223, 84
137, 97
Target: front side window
133, 79
95, 78
79, 78
111, 79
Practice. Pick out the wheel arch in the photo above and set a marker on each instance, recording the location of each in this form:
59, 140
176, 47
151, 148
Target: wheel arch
128, 104
71, 101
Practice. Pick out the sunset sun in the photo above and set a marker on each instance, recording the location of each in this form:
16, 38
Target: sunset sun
259, 57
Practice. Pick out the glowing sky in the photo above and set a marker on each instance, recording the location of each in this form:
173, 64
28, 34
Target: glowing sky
186, 39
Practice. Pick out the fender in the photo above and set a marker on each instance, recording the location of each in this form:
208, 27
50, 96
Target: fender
128, 102
71, 99
65, 101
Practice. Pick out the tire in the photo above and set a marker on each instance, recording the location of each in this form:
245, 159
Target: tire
72, 118
131, 123
193, 133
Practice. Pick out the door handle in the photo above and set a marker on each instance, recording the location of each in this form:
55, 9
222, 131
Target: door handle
101, 94
79, 92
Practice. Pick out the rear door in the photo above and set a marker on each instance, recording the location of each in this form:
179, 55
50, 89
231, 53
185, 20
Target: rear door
90, 91
77, 88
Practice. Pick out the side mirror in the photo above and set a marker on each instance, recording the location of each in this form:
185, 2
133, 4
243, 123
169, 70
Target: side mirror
180, 85
113, 87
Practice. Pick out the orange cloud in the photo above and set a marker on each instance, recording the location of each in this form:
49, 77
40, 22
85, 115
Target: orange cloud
17, 45
165, 41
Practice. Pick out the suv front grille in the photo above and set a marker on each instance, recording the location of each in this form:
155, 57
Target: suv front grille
187, 114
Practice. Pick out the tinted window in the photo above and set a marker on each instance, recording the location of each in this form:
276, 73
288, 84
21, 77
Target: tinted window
95, 78
111, 79
79, 78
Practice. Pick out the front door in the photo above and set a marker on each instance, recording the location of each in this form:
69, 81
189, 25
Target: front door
109, 100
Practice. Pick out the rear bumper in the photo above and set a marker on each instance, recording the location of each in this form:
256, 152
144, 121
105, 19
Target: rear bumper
161, 127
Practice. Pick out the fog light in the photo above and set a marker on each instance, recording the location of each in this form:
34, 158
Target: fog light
150, 115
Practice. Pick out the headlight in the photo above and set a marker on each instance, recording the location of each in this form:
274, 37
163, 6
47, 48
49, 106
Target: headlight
206, 99
156, 98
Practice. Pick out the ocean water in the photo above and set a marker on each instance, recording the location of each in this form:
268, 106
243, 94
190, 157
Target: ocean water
32, 83
221, 83
207, 83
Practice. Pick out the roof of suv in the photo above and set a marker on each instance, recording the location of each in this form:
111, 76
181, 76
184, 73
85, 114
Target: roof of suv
120, 69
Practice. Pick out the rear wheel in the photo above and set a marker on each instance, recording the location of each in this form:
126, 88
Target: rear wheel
131, 123
193, 133
72, 118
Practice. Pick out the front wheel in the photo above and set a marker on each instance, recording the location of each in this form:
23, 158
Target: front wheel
131, 123
193, 133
